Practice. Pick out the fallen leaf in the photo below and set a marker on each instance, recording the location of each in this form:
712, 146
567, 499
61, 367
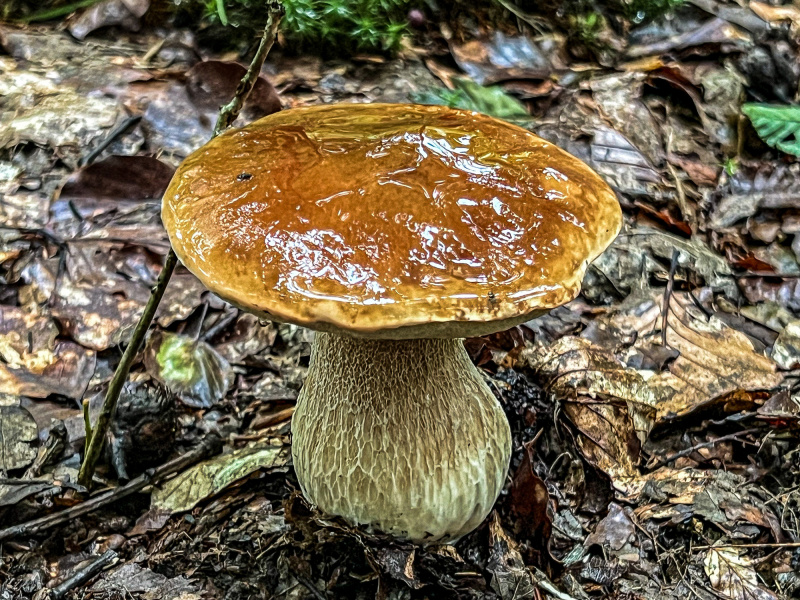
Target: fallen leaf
715, 361
733, 575
191, 369
108, 13
530, 501
130, 578
615, 531
511, 579
714, 31
609, 405
18, 432
197, 483
67, 373
119, 178
504, 57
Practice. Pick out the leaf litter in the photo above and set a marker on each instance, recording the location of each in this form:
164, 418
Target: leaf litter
655, 419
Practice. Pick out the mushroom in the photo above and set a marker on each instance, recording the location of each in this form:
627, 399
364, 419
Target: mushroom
392, 230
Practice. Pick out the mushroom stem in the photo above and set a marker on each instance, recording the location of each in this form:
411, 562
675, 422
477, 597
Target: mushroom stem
400, 435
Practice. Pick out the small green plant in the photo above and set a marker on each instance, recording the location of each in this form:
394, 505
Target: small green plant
587, 26
493, 100
731, 166
778, 126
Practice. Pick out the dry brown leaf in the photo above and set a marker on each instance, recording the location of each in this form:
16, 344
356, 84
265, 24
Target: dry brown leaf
17, 432
715, 361
33, 363
733, 575
611, 406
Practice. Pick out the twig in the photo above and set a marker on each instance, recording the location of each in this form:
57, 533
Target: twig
109, 409
541, 581
83, 575
227, 115
667, 297
307, 583
229, 112
208, 447
774, 545
688, 451
92, 156
87, 422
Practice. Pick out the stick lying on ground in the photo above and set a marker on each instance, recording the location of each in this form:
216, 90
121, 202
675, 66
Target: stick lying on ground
227, 116
211, 445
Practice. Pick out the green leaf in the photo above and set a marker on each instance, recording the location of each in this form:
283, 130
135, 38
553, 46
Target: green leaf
191, 369
197, 483
778, 126
493, 101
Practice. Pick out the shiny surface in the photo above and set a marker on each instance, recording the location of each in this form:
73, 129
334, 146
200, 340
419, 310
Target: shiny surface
372, 217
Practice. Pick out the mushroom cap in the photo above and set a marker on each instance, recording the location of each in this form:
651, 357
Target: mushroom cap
389, 220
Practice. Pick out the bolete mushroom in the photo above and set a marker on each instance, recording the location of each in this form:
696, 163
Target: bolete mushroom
394, 231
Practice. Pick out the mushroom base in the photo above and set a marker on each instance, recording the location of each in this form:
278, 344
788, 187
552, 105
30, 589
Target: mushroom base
401, 436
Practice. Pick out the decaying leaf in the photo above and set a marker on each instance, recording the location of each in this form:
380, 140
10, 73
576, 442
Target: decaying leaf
108, 13
511, 579
18, 431
130, 578
786, 350
529, 500
36, 109
194, 485
34, 363
715, 361
615, 533
732, 574
190, 368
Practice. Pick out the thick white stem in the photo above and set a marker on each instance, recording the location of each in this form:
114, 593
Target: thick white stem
400, 435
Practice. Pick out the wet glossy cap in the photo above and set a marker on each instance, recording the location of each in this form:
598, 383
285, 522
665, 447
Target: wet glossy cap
389, 220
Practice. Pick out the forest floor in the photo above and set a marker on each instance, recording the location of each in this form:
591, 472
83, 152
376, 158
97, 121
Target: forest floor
656, 418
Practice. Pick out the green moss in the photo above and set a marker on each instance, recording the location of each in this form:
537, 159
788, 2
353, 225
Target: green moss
328, 27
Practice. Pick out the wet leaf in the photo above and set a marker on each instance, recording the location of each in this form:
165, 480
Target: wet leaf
119, 178
715, 361
130, 578
529, 500
190, 368
18, 432
732, 574
504, 57
196, 484
786, 350
615, 531
34, 363
778, 126
124, 13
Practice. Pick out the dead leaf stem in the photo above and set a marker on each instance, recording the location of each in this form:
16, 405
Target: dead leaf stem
227, 115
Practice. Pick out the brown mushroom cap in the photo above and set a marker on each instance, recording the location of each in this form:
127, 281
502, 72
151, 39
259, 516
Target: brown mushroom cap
389, 220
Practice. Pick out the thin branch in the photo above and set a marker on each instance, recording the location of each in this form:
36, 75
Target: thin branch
84, 575
227, 115
109, 409
229, 112
667, 297
208, 447
686, 452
